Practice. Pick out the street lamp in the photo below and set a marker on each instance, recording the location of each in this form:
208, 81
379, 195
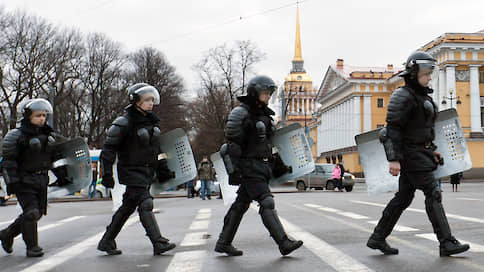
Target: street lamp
451, 98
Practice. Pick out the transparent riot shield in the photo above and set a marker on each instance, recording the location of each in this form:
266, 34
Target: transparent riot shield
75, 157
292, 145
180, 160
450, 142
229, 192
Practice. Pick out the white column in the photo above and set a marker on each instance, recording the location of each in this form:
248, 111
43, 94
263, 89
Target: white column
450, 78
356, 117
441, 89
475, 99
366, 113
306, 102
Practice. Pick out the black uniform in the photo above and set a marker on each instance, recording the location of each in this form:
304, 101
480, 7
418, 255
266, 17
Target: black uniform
248, 133
135, 138
28, 153
408, 138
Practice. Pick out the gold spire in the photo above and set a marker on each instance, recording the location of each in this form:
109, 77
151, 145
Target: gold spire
298, 51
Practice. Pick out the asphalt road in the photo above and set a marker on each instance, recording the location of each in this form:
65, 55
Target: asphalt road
334, 227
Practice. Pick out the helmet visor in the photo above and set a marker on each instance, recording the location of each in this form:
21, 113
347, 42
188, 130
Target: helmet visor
149, 90
38, 104
426, 65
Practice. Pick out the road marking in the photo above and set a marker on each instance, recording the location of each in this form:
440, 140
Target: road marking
473, 247
329, 254
207, 210
466, 198
203, 216
194, 239
187, 261
449, 215
397, 227
331, 210
199, 225
50, 262
53, 225
411, 244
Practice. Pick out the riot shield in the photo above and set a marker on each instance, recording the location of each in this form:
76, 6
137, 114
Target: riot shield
375, 164
450, 142
292, 145
229, 192
180, 159
75, 157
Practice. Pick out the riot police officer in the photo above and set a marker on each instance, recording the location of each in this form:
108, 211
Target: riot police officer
28, 153
135, 139
248, 133
408, 142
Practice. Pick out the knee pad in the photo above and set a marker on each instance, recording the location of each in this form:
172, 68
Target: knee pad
146, 205
267, 203
32, 215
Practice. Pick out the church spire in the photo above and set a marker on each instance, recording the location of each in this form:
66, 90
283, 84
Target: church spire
297, 62
298, 51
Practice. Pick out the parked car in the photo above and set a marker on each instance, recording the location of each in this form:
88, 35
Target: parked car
101, 191
321, 178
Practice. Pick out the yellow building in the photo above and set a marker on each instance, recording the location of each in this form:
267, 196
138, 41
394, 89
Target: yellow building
298, 96
354, 99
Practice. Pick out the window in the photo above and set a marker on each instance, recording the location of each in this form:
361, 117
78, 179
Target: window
379, 102
380, 126
482, 111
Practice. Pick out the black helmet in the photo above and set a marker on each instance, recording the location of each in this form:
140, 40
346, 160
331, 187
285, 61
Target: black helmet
258, 84
138, 89
37, 104
418, 61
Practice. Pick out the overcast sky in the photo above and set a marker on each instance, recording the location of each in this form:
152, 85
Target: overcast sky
363, 33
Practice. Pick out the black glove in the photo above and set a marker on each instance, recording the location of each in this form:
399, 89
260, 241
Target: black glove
279, 168
62, 179
108, 181
61, 182
236, 177
163, 172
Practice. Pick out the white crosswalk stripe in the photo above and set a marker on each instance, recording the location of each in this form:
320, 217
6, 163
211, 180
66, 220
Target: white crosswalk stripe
52, 261
187, 261
473, 246
332, 210
449, 215
397, 227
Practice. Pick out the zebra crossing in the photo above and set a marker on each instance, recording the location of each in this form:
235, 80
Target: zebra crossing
198, 238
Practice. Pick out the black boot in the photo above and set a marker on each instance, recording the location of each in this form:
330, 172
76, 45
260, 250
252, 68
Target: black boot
30, 236
231, 224
452, 246
375, 242
107, 243
272, 223
160, 243
7, 235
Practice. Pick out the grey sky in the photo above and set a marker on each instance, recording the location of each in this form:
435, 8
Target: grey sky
366, 33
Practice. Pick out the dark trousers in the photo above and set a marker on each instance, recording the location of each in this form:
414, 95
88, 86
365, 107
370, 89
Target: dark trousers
409, 182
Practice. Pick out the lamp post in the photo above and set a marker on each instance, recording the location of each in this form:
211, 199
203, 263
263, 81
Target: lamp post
451, 97
305, 122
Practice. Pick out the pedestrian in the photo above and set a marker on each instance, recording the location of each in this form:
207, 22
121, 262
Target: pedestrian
206, 174
91, 190
455, 180
190, 188
408, 142
249, 130
28, 153
135, 139
336, 177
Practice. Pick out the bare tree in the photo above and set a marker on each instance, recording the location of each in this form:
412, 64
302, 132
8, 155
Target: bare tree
97, 103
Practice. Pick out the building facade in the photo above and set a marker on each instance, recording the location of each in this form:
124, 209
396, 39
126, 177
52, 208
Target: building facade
354, 99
